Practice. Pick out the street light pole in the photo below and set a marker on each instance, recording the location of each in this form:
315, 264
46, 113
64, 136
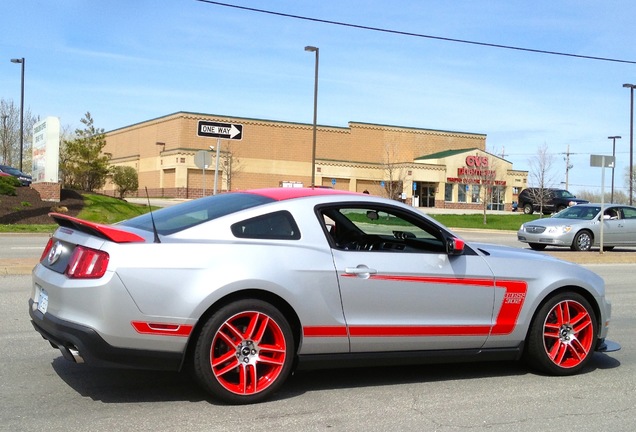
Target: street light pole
613, 138
4, 138
22, 62
631, 140
313, 149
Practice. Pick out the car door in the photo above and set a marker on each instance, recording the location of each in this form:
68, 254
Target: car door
401, 290
628, 225
614, 231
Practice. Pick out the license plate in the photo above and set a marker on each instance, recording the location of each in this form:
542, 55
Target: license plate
43, 301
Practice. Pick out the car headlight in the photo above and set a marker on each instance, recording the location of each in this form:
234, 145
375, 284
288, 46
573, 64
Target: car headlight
561, 229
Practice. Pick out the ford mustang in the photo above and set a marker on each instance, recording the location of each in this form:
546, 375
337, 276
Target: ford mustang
243, 287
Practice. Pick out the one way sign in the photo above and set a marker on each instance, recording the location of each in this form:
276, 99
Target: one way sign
220, 130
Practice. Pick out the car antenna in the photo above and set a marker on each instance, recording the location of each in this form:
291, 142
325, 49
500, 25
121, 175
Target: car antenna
154, 227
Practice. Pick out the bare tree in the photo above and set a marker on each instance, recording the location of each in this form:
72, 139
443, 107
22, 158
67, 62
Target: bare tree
633, 179
230, 165
542, 176
10, 135
395, 172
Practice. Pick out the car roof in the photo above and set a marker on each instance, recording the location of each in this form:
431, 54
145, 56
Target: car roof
280, 194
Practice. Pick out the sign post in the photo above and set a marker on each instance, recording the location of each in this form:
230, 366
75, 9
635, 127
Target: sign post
602, 161
202, 160
209, 129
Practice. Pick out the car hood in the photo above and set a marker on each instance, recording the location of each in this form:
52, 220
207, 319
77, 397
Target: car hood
498, 251
552, 221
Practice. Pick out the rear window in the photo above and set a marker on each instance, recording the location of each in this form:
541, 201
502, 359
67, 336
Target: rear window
279, 226
170, 220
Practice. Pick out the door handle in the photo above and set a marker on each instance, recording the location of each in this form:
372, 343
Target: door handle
361, 270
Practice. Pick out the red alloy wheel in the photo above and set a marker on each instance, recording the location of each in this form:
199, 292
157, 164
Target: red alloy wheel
248, 353
568, 334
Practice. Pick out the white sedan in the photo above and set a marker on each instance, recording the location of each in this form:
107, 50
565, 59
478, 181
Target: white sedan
579, 228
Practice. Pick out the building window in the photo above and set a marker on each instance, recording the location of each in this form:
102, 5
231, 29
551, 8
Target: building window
475, 194
461, 193
448, 192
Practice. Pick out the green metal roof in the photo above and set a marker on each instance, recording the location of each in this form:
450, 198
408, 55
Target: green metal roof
446, 153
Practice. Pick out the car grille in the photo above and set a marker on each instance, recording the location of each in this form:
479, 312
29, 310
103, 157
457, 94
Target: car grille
534, 229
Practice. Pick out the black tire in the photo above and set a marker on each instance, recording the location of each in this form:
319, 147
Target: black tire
528, 209
563, 335
537, 246
608, 248
263, 345
583, 241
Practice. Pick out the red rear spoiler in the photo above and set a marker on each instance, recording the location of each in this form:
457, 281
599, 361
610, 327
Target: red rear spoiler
99, 230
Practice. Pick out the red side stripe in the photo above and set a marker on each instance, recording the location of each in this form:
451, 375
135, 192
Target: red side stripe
418, 331
505, 323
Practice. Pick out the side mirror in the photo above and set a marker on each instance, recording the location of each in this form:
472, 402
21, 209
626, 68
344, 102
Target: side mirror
454, 246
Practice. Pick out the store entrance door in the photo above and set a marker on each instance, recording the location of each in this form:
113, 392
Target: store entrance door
426, 194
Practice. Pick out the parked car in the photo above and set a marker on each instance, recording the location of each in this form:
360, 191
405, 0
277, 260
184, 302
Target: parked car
579, 228
25, 179
241, 287
554, 200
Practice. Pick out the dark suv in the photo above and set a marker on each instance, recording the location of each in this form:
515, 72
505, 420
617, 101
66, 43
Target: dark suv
25, 179
554, 200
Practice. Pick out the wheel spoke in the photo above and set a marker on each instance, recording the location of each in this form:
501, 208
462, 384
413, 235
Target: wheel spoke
235, 333
582, 322
232, 363
253, 324
228, 339
258, 337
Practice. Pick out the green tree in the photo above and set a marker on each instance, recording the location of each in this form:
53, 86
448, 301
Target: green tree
85, 167
126, 180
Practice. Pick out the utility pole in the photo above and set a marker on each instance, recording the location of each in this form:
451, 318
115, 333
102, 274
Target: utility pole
568, 167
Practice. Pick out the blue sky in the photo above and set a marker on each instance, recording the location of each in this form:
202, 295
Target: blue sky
127, 61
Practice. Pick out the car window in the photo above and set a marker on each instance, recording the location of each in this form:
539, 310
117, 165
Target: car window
578, 212
170, 220
382, 229
274, 226
629, 213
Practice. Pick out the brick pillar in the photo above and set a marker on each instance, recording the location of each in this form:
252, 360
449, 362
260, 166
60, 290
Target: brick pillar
48, 191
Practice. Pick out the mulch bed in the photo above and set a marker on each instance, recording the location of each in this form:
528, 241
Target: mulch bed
28, 208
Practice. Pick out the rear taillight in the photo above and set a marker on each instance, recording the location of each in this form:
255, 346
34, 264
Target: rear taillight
47, 249
87, 263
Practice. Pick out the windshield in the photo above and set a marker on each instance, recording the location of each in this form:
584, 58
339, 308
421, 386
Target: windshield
170, 220
563, 194
9, 170
579, 212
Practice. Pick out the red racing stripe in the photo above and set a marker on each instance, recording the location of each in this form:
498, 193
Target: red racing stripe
513, 300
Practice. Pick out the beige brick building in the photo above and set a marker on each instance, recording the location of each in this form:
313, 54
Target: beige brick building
423, 167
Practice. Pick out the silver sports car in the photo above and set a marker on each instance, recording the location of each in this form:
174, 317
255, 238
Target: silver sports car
579, 228
242, 287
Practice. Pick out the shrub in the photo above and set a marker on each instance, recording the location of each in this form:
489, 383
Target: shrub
126, 180
8, 185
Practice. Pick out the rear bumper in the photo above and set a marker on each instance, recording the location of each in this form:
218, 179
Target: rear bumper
82, 344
